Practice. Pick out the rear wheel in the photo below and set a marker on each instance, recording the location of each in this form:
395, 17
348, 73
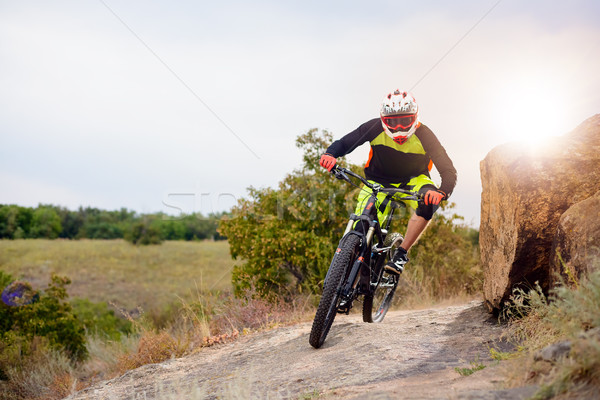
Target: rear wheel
342, 260
377, 304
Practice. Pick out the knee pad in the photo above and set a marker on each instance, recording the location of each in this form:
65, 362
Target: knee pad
426, 211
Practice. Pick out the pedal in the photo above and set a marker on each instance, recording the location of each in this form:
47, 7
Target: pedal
344, 307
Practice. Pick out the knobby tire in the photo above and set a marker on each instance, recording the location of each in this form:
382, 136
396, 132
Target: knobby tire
377, 304
330, 298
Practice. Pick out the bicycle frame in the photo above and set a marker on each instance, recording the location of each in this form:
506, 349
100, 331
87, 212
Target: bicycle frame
367, 257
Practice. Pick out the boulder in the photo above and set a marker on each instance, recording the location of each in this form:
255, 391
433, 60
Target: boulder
525, 191
576, 248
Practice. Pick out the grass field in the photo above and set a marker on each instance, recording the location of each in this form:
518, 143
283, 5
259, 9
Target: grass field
151, 277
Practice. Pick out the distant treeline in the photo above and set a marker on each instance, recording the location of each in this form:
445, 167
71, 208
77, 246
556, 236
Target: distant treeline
52, 222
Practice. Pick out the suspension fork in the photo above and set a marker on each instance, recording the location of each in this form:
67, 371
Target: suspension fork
368, 216
354, 276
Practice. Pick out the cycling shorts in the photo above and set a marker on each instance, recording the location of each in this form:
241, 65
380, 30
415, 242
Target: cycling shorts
421, 184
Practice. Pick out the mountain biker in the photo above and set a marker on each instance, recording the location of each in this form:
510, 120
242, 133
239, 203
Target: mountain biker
402, 153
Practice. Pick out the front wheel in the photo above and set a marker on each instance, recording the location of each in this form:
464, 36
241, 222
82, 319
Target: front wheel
344, 257
377, 303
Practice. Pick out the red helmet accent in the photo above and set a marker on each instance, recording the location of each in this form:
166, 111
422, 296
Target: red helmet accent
401, 139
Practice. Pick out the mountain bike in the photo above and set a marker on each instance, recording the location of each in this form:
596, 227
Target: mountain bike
357, 268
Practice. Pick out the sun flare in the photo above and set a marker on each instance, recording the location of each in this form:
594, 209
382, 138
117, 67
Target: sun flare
532, 112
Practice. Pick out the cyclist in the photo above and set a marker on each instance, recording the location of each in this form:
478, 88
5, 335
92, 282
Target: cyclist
402, 153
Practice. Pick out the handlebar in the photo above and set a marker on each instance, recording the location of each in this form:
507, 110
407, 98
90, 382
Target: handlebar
342, 173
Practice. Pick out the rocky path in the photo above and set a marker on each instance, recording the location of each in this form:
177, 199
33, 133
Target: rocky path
411, 355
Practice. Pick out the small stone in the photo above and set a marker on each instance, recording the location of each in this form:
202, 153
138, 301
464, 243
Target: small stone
553, 352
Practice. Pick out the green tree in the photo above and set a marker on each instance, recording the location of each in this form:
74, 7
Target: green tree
102, 224
15, 222
170, 228
286, 236
143, 232
45, 223
71, 222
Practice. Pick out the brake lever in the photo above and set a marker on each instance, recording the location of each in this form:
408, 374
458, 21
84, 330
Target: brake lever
341, 175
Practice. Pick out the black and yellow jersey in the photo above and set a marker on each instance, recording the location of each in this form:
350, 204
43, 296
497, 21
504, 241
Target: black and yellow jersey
390, 162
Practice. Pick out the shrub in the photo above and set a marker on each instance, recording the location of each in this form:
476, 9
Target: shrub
38, 341
572, 314
99, 320
5, 279
51, 317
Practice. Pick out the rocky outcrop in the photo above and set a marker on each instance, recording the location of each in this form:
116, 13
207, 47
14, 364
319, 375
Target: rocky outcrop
525, 192
576, 248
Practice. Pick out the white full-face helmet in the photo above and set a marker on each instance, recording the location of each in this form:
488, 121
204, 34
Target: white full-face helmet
399, 116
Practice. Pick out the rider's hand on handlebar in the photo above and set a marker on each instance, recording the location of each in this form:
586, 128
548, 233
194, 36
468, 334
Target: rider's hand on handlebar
327, 161
434, 197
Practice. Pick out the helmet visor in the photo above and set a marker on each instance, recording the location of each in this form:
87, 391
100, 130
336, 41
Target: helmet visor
399, 123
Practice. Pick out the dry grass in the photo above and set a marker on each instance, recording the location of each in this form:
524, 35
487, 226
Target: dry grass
252, 312
42, 374
204, 322
572, 314
153, 347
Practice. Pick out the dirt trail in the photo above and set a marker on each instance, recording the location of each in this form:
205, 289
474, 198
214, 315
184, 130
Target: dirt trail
411, 355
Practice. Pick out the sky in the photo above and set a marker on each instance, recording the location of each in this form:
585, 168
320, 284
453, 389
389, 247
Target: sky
181, 106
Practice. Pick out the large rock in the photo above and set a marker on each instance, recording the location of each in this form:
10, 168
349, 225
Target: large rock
525, 192
576, 248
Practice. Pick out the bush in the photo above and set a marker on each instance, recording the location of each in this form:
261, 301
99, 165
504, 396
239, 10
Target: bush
51, 317
38, 340
5, 279
572, 314
99, 320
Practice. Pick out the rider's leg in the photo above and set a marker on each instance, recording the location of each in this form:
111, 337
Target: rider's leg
416, 226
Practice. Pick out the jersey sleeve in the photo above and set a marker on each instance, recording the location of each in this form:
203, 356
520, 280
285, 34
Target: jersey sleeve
364, 133
438, 155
